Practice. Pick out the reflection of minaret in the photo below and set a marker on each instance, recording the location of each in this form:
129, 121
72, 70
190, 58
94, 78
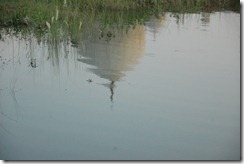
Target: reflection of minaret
155, 23
205, 18
111, 60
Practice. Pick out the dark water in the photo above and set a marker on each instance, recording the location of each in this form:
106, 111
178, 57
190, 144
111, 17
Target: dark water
166, 90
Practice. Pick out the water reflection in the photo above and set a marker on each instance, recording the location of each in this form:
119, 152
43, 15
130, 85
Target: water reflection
111, 60
182, 103
205, 18
155, 23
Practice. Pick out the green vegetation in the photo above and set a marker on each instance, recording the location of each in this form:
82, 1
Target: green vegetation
35, 12
66, 18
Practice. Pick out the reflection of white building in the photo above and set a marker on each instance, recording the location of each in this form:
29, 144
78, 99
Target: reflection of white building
111, 60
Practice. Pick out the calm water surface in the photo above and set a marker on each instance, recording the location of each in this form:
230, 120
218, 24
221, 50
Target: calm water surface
166, 90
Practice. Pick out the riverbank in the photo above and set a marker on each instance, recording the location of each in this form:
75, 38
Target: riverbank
23, 12
68, 17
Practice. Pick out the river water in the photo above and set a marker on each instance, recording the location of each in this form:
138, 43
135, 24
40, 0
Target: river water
165, 90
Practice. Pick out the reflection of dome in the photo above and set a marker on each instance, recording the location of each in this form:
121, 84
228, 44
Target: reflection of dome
111, 60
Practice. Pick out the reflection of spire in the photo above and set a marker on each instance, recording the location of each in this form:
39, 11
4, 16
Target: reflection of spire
111, 86
205, 18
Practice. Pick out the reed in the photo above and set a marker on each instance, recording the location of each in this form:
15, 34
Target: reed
67, 18
14, 12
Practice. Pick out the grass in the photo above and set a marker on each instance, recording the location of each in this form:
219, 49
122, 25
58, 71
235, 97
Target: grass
14, 12
57, 19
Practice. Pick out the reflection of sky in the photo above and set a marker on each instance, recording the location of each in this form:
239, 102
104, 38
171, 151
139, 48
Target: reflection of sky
181, 102
199, 80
